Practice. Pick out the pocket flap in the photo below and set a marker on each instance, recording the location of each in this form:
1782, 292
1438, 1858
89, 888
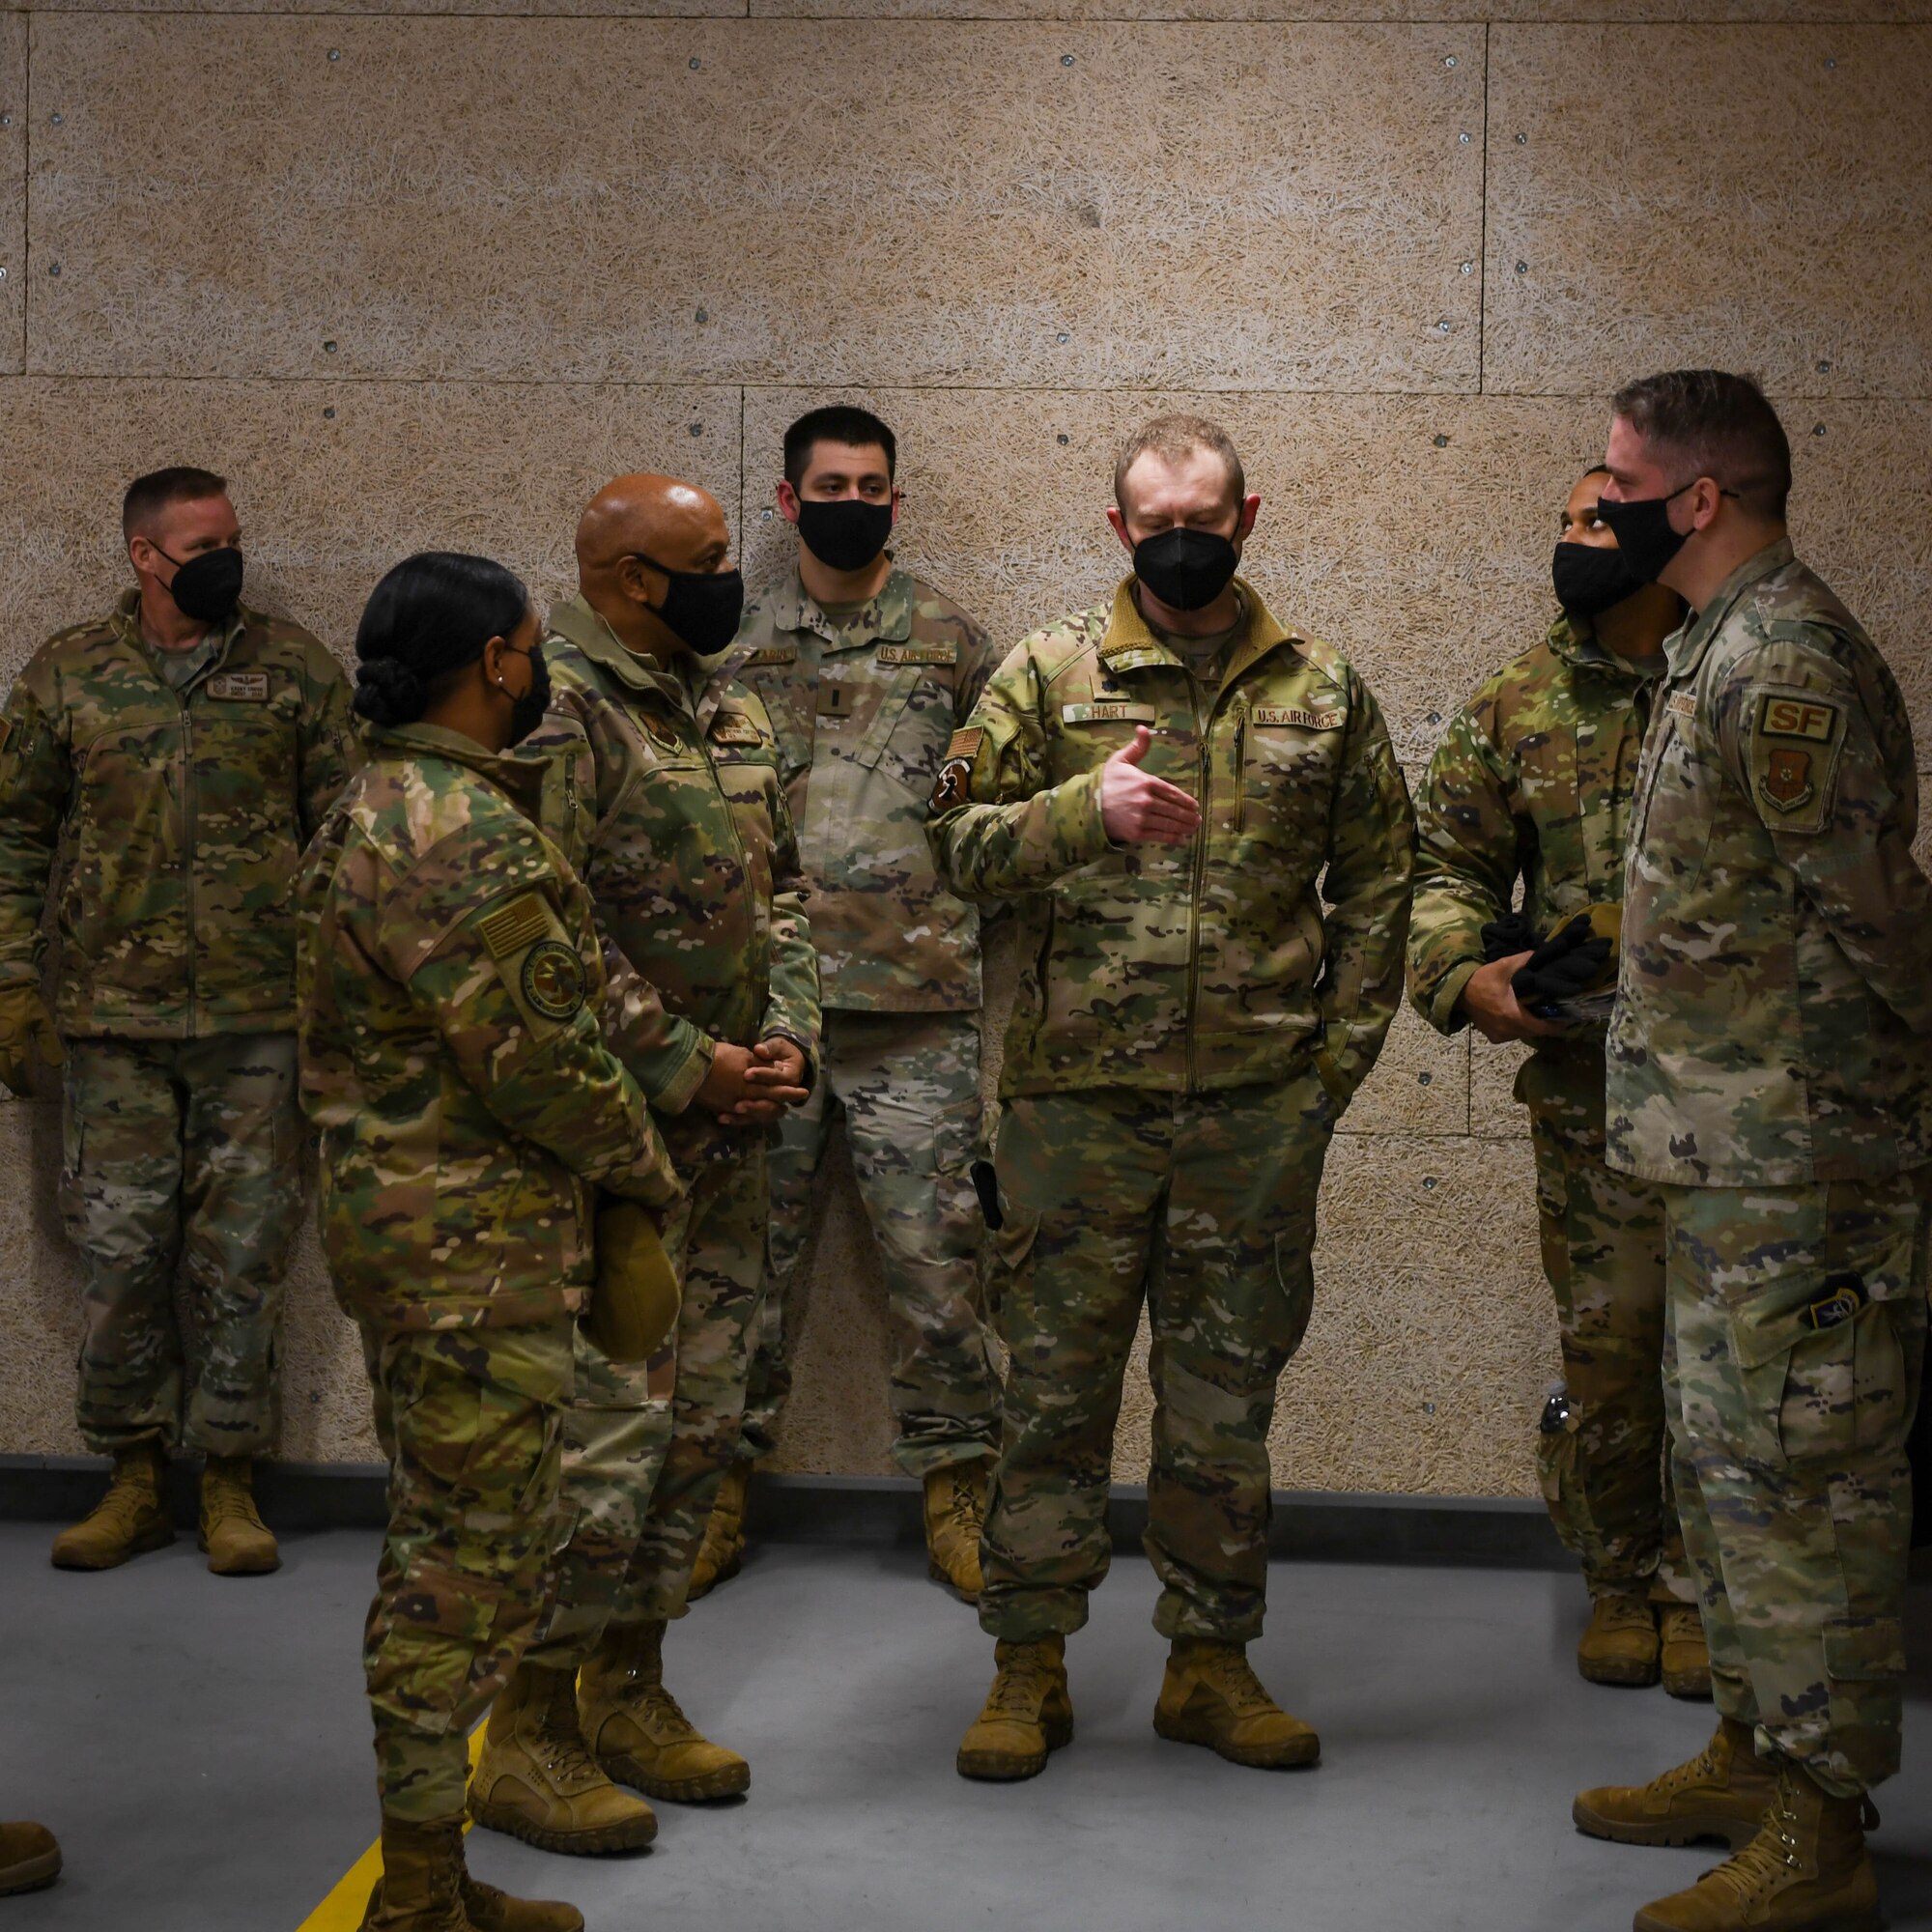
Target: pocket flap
1865, 1647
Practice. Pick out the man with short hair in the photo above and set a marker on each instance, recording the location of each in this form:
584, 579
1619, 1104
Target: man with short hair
1770, 1073
1532, 785
663, 788
868, 672
175, 757
1201, 819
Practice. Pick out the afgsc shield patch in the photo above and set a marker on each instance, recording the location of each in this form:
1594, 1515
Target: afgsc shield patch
553, 979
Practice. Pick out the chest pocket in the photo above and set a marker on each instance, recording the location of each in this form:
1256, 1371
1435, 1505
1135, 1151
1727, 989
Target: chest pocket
910, 728
746, 761
1549, 800
1289, 756
1672, 828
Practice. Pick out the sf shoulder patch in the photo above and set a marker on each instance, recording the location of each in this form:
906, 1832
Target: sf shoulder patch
951, 788
512, 927
1796, 737
553, 979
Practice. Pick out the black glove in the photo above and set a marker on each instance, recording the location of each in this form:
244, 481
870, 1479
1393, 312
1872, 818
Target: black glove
1504, 937
1568, 963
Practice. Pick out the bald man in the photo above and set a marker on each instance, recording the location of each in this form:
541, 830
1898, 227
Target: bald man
669, 804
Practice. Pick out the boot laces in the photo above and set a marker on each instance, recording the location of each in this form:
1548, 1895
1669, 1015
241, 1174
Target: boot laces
1764, 1862
565, 1755
226, 1495
1234, 1677
1699, 1770
1621, 1614
1020, 1687
964, 1511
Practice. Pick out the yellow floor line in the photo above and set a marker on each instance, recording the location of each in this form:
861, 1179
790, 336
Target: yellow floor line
343, 1908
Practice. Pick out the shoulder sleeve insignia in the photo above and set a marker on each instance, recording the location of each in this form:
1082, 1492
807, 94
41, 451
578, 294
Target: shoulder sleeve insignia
965, 743
953, 786
1796, 738
553, 979
515, 926
735, 727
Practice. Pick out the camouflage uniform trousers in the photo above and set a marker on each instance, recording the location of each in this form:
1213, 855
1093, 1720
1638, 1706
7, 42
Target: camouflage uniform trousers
1605, 1474
645, 1446
1204, 1207
1795, 1341
181, 1153
470, 1420
616, 1435
908, 1088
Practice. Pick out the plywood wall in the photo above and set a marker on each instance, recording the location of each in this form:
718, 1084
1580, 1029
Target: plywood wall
428, 273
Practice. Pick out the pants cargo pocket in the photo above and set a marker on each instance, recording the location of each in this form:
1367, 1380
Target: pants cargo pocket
1295, 1277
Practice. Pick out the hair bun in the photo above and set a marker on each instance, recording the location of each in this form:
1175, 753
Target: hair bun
388, 692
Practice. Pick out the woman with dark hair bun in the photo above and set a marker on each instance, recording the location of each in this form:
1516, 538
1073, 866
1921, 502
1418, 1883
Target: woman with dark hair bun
468, 1109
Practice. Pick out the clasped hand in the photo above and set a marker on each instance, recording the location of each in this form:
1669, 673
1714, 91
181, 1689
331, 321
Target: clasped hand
748, 1086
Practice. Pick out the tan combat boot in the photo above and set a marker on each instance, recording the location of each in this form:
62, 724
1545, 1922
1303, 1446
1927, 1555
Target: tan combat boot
1028, 1713
132, 1517
1621, 1644
1720, 1793
1685, 1658
536, 1778
238, 1541
29, 1858
955, 1515
426, 1887
1210, 1695
1805, 1871
636, 1731
723, 1553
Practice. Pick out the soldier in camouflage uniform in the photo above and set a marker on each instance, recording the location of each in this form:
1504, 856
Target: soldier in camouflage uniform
1771, 1074
1533, 781
663, 787
1200, 815
169, 763
867, 674
453, 1060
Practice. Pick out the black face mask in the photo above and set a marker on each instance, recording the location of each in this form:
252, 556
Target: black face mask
1185, 569
1643, 533
527, 711
701, 608
209, 587
1590, 579
846, 534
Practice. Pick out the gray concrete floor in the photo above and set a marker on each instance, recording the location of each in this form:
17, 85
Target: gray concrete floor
201, 1747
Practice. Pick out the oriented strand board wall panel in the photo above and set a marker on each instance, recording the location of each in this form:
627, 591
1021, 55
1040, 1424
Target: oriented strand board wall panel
1749, 197
334, 482
693, 202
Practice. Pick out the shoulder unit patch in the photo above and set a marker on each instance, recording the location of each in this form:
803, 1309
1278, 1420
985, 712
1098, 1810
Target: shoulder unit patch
553, 979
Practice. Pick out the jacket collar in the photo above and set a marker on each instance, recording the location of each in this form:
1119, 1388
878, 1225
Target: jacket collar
1129, 645
520, 776
124, 621
887, 619
1575, 642
1685, 648
577, 623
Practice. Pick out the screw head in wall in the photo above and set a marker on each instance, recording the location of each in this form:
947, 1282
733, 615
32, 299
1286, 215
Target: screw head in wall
1062, 336
1448, 60
1823, 368
6, 120
1429, 1408
1066, 60
698, 429
1061, 440
1464, 137
1436, 718
704, 315
1443, 324
695, 62
1468, 268
335, 54
1425, 1080
329, 413
1523, 267
54, 268
328, 349
58, 119
1830, 63
1441, 442
1428, 1182
1522, 140
764, 516
1817, 429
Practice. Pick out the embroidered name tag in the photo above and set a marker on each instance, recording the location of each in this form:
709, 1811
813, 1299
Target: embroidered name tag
242, 687
772, 654
733, 728
1795, 717
1108, 714
515, 927
1682, 703
1293, 714
919, 654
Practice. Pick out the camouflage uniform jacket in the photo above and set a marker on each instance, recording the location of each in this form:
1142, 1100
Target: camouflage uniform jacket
177, 818
676, 815
1198, 967
450, 1047
1533, 781
865, 707
1774, 1020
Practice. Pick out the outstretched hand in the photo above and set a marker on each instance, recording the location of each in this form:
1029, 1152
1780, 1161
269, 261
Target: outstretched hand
1138, 809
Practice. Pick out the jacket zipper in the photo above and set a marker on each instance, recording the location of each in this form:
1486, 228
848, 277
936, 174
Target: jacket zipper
1205, 765
737, 847
187, 856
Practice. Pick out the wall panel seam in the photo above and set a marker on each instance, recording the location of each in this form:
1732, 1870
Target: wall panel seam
1483, 228
27, 195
